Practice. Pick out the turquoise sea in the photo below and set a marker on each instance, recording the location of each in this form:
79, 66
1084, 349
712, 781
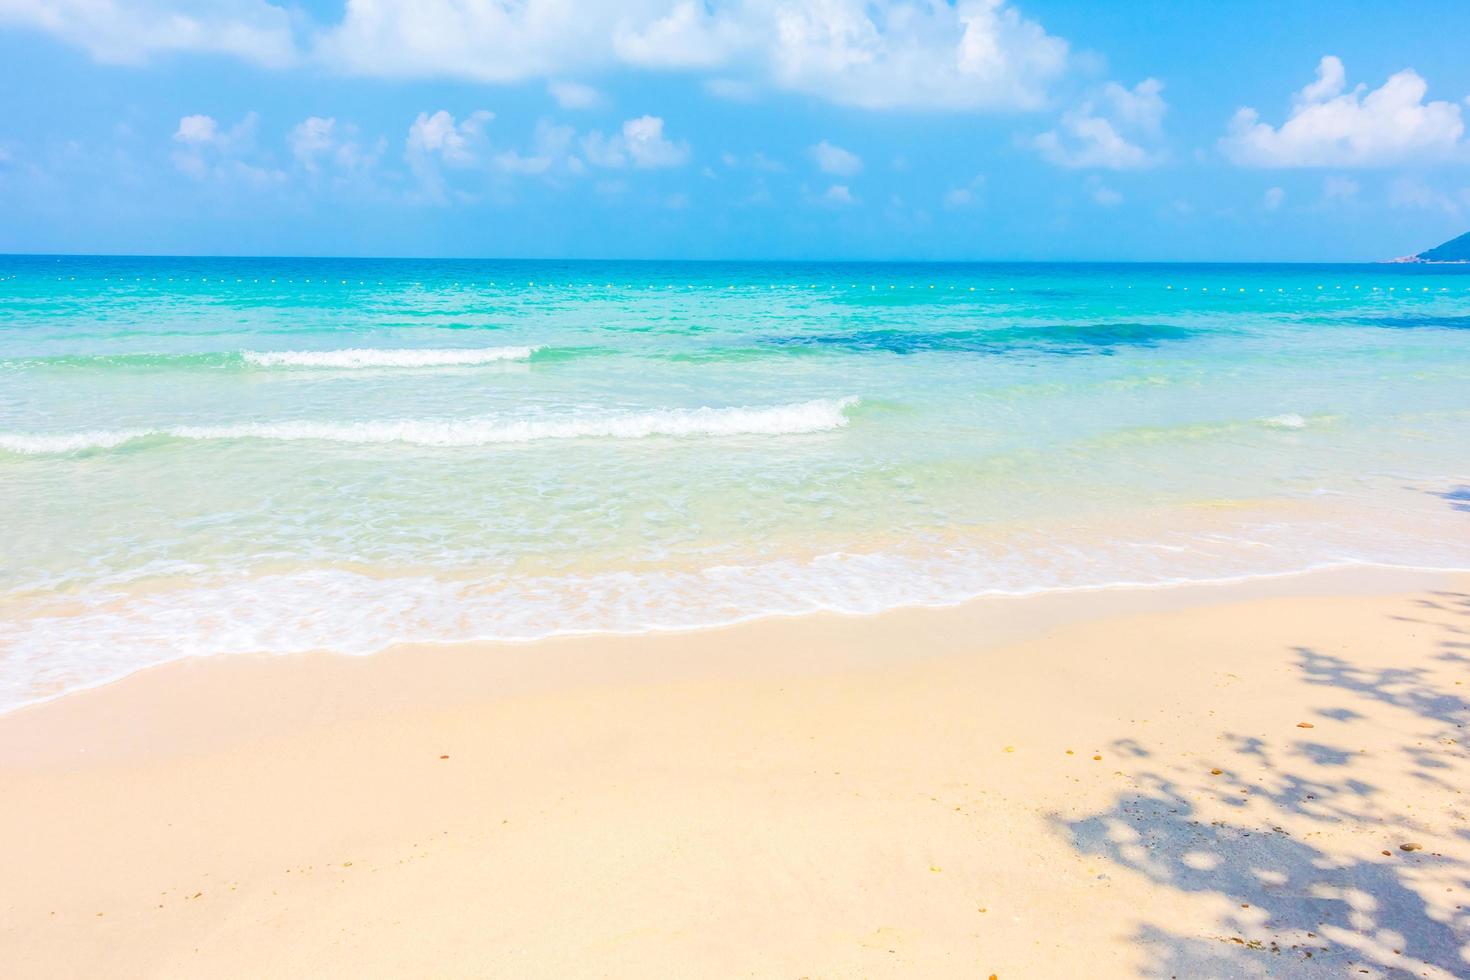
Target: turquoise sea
214, 456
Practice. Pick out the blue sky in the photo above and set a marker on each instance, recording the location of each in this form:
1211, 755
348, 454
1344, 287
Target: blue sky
740, 129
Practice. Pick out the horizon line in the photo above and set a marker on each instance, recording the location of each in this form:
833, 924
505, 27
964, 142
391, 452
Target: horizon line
711, 261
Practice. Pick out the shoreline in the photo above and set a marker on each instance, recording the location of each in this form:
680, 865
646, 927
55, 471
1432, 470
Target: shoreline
1199, 780
1379, 573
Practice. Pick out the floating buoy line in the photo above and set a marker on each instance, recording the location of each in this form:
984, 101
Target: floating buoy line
965, 288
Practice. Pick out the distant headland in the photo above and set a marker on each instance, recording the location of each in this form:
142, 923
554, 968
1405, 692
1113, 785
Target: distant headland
1456, 250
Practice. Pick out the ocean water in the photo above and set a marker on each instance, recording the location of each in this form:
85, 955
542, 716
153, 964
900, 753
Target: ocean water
212, 456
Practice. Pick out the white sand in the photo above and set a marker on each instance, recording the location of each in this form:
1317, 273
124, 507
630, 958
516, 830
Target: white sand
1024, 789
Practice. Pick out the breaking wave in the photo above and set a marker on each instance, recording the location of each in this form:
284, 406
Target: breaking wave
368, 357
790, 419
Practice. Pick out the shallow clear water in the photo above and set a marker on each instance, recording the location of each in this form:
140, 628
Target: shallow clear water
205, 456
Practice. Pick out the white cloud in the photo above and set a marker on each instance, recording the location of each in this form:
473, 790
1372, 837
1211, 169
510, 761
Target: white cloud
603, 151
515, 162
1411, 192
447, 158
839, 195
575, 95
1108, 131
478, 40
437, 139
647, 145
551, 152
687, 36
311, 139
974, 54
439, 134
1139, 109
640, 144
131, 31
208, 152
318, 142
1331, 79
965, 196
833, 159
197, 130
1273, 198
875, 54
959, 197
1102, 194
1330, 127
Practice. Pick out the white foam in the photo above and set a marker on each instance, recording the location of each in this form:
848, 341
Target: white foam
53, 641
791, 419
67, 442
1290, 420
106, 634
366, 357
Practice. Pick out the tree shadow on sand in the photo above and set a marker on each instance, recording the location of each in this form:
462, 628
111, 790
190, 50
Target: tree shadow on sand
1381, 902
1459, 498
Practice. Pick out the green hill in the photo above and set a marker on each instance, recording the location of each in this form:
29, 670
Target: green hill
1454, 250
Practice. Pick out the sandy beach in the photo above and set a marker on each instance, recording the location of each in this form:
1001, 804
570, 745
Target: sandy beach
669, 490
1229, 781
